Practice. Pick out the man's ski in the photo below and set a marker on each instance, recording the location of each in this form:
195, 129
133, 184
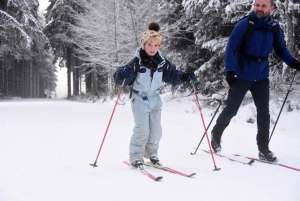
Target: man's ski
144, 172
231, 159
165, 168
273, 163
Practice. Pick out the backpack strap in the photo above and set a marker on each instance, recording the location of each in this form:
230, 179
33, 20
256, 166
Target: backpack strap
136, 70
249, 31
247, 35
246, 38
275, 30
166, 65
241, 45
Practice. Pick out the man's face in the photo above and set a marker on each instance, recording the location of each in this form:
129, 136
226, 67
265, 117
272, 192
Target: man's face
262, 8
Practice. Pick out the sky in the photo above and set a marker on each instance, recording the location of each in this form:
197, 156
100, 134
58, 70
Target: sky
46, 146
43, 5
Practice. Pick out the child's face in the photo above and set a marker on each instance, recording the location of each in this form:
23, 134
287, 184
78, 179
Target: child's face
151, 46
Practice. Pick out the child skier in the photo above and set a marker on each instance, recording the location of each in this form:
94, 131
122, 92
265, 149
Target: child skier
146, 102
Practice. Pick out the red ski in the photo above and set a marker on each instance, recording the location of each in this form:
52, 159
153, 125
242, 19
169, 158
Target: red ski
230, 158
144, 172
273, 163
165, 168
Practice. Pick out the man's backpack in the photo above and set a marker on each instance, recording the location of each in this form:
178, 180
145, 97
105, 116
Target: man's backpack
241, 46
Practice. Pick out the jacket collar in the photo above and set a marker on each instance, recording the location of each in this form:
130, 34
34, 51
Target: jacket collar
261, 22
161, 59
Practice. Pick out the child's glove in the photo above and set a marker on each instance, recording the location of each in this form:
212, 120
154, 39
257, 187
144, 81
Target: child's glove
188, 77
126, 72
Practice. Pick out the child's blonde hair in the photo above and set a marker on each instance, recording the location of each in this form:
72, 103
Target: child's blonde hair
152, 32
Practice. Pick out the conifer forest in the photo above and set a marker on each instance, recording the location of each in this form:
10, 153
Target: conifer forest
91, 38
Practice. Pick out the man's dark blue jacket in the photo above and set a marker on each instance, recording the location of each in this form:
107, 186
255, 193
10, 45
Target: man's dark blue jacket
260, 45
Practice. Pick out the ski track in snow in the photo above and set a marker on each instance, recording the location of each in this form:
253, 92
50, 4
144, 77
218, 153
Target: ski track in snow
46, 146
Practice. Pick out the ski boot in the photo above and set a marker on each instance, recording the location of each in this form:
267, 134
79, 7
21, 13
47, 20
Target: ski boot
138, 164
155, 161
215, 143
267, 155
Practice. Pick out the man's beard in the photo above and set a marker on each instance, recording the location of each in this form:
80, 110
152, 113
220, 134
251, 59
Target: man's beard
261, 14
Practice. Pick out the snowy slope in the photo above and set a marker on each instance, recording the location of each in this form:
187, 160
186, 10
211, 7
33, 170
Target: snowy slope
46, 146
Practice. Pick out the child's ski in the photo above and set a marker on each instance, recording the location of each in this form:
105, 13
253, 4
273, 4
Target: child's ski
165, 168
144, 172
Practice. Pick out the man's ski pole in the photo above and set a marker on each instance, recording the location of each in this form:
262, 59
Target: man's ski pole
283, 104
220, 103
119, 94
199, 107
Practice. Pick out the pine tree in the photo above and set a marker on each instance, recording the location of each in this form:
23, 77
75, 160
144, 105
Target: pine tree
59, 18
211, 22
22, 43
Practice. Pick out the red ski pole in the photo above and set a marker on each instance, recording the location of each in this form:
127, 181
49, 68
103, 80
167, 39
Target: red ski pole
220, 103
199, 107
119, 94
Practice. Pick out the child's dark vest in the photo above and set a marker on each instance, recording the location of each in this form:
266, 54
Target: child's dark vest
136, 65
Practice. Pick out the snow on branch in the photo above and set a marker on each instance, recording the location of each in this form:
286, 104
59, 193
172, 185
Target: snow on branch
11, 21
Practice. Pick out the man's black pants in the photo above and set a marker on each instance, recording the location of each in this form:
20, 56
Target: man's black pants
260, 94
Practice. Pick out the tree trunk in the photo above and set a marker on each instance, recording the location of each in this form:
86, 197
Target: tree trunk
95, 83
290, 27
34, 80
69, 71
23, 69
76, 78
88, 81
5, 79
1, 79
31, 79
9, 80
27, 79
17, 79
27, 95
42, 88
109, 80
37, 85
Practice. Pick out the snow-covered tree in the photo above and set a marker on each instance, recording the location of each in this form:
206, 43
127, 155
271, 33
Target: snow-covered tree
107, 34
59, 18
179, 44
211, 22
22, 44
96, 37
287, 14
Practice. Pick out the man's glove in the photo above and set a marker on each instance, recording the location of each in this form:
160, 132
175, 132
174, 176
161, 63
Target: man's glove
188, 77
126, 72
296, 65
231, 78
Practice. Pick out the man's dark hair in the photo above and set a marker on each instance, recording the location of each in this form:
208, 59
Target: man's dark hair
271, 1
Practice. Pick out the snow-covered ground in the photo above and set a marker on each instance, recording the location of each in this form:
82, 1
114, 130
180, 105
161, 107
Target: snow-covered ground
46, 146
